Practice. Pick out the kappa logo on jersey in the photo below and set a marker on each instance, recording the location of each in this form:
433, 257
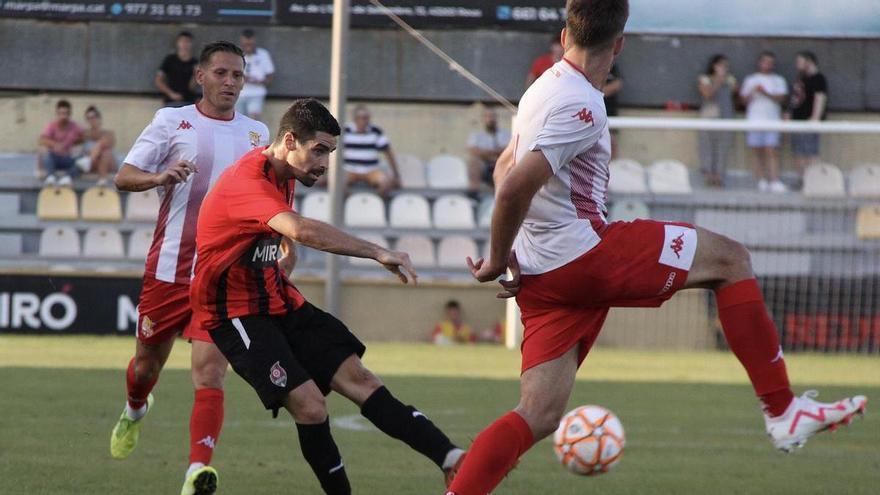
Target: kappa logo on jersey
585, 116
254, 138
185, 125
677, 245
146, 327
278, 375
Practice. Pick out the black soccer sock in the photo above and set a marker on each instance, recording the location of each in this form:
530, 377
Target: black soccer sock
407, 424
320, 451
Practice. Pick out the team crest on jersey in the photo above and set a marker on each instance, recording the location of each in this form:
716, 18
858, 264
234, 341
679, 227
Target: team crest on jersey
278, 375
255, 138
146, 327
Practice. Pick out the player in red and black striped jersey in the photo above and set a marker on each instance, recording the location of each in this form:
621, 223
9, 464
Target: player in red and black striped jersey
290, 352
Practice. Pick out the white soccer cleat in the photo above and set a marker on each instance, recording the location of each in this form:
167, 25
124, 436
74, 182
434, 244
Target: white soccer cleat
805, 417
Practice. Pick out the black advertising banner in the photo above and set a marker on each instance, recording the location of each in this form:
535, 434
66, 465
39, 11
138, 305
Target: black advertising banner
203, 11
50, 304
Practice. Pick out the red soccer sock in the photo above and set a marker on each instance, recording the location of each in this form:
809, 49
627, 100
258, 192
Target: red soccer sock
752, 337
492, 455
137, 392
204, 424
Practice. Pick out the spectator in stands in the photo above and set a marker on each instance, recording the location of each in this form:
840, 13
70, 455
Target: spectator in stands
98, 157
175, 77
363, 143
544, 62
452, 329
809, 98
764, 92
56, 142
718, 89
612, 88
258, 72
484, 147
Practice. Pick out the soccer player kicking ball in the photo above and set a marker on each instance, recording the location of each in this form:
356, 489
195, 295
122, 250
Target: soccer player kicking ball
570, 266
182, 153
292, 353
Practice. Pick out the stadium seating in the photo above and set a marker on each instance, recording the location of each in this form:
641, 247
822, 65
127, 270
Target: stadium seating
365, 210
375, 239
9, 204
868, 222
628, 210
824, 180
139, 244
447, 172
627, 176
10, 245
453, 212
412, 172
669, 177
59, 242
103, 242
317, 205
779, 264
420, 250
410, 211
142, 206
57, 203
484, 212
452, 251
753, 226
101, 204
864, 181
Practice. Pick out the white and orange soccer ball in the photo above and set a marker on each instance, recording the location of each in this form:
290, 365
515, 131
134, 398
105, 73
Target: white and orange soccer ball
589, 440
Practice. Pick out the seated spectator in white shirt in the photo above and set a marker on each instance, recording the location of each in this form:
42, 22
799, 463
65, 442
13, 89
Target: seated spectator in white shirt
484, 147
258, 72
363, 143
97, 147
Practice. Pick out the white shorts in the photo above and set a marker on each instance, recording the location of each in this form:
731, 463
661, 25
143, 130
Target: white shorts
250, 105
763, 139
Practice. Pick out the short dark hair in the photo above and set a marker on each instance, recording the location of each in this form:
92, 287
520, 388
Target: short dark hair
184, 34
767, 53
452, 303
91, 109
305, 118
219, 46
595, 23
248, 33
807, 54
63, 104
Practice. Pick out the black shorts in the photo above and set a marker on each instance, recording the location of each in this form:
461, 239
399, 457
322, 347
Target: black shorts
276, 354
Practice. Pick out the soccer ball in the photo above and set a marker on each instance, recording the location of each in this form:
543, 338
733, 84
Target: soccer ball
589, 440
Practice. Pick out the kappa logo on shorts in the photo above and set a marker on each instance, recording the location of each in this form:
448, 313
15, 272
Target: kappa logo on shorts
278, 375
146, 327
679, 247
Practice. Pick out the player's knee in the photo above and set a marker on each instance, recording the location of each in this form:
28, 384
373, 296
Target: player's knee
146, 369
209, 375
735, 257
311, 410
543, 419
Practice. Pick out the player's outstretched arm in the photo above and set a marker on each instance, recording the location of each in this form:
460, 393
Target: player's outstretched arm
132, 179
324, 237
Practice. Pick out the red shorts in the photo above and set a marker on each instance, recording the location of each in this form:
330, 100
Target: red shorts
164, 312
636, 264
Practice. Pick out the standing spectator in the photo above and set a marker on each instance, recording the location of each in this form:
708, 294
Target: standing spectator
258, 72
764, 92
363, 142
56, 143
718, 89
544, 62
809, 98
175, 76
612, 88
452, 329
98, 157
484, 147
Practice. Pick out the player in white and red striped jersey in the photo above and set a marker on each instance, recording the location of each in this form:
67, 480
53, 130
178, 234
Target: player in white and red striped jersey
182, 152
570, 265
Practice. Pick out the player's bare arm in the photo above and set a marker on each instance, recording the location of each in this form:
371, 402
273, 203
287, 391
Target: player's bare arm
287, 262
324, 237
132, 179
504, 163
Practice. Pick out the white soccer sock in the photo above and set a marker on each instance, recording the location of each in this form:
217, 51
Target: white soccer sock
192, 468
451, 458
135, 414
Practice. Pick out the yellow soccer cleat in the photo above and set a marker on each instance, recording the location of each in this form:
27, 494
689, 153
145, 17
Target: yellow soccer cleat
202, 481
125, 434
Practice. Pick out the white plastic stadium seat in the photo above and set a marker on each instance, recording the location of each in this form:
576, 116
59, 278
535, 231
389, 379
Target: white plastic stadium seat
366, 210
316, 205
753, 226
447, 172
823, 180
669, 177
101, 204
103, 242
864, 181
627, 176
452, 251
412, 172
484, 212
628, 210
410, 211
59, 242
420, 250
142, 206
375, 239
139, 244
453, 212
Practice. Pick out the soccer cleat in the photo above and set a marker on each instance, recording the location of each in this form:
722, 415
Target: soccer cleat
805, 417
202, 481
451, 472
125, 434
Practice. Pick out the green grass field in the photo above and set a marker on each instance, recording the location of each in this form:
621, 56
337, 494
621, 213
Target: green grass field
692, 424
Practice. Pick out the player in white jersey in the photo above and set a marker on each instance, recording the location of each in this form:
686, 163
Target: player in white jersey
182, 152
570, 266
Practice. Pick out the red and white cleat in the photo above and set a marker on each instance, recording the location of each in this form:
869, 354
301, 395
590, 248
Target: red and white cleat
805, 417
